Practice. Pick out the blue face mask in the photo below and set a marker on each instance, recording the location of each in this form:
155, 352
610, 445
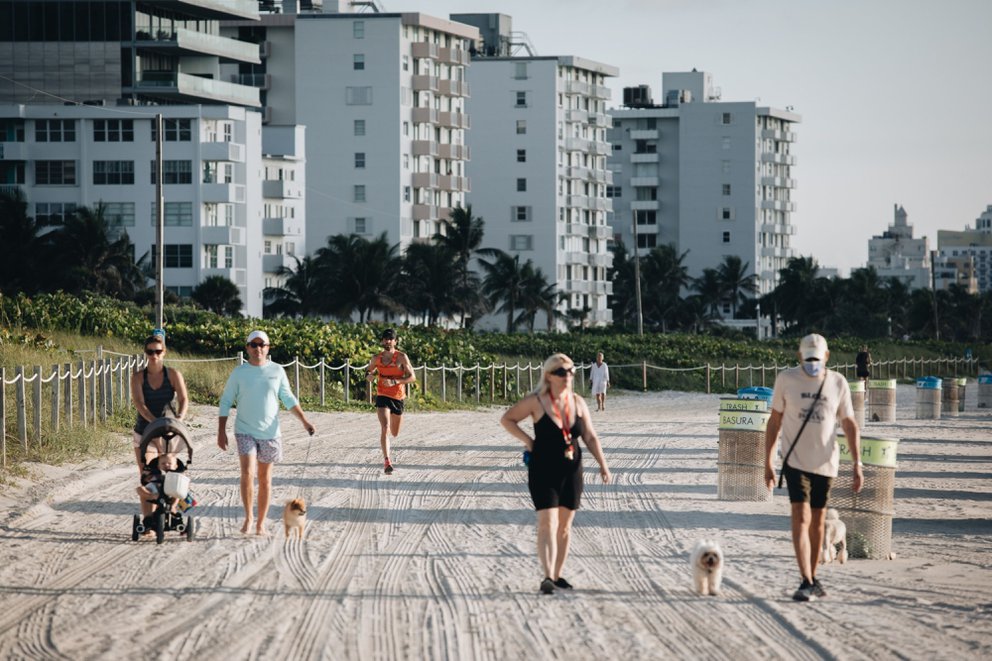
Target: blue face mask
813, 367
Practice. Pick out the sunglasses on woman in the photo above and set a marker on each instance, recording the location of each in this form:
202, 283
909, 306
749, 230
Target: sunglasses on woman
563, 371
154, 352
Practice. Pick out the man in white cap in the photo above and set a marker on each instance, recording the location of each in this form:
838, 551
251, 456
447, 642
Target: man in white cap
807, 404
255, 388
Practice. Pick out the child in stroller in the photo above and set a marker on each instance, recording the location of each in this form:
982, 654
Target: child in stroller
164, 490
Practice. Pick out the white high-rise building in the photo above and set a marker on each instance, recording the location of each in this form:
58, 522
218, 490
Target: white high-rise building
143, 58
539, 151
896, 254
956, 247
383, 98
713, 178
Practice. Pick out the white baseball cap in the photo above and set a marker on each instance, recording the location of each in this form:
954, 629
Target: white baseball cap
813, 346
258, 335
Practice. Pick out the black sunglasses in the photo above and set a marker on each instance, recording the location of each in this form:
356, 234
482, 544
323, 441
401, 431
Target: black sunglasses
563, 371
154, 352
257, 345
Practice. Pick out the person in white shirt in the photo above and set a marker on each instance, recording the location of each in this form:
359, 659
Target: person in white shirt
599, 378
807, 404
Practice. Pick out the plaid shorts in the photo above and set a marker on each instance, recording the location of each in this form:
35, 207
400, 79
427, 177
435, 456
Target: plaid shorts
269, 451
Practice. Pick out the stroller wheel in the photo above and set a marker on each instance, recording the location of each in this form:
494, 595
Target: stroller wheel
159, 527
190, 528
134, 527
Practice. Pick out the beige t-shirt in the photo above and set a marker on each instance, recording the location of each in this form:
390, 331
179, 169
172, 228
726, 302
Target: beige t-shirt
816, 452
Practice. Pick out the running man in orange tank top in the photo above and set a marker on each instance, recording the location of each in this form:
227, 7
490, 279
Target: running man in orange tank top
394, 372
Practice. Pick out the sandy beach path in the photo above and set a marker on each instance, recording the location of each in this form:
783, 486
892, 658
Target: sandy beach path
437, 561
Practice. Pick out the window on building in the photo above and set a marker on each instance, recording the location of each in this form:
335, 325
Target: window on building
359, 193
11, 130
406, 193
725, 118
726, 213
174, 172
614, 191
647, 240
520, 70
521, 242
113, 173
406, 63
726, 189
177, 256
521, 184
358, 61
521, 214
646, 217
646, 193
358, 96
176, 130
521, 156
177, 214
358, 29
725, 142
726, 237
521, 99
53, 214
54, 130
361, 226
360, 160
182, 291
521, 126
359, 127
54, 173
406, 161
725, 167
113, 130
210, 252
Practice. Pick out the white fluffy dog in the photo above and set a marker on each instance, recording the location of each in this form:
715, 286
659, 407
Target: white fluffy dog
707, 567
834, 535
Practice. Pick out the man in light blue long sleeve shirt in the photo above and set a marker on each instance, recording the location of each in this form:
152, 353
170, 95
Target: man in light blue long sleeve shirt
255, 389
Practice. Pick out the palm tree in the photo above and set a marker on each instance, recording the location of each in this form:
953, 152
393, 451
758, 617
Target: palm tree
23, 250
796, 298
219, 295
536, 295
665, 276
89, 259
503, 284
301, 293
623, 301
359, 275
428, 274
462, 237
737, 283
711, 291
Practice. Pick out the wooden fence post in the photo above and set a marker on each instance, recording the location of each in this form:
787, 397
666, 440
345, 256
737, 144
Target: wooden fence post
478, 383
644, 375
460, 370
22, 414
707, 378
93, 395
111, 391
56, 390
296, 374
737, 376
425, 378
83, 417
36, 397
321, 381
444, 385
68, 395
506, 381
347, 380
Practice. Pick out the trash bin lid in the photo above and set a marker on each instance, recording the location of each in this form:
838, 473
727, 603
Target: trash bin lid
856, 386
755, 392
928, 383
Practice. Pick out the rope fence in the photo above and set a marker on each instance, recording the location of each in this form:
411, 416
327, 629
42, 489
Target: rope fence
80, 393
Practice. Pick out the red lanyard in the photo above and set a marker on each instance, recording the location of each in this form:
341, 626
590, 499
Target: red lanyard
565, 430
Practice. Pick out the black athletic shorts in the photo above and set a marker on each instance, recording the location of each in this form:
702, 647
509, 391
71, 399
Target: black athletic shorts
395, 406
807, 487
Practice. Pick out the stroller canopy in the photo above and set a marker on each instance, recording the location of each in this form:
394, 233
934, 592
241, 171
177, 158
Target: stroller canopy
174, 437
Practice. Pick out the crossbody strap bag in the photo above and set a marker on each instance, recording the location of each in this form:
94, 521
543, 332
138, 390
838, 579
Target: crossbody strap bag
781, 475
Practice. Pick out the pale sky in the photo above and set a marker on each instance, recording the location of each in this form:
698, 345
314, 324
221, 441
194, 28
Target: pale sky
895, 95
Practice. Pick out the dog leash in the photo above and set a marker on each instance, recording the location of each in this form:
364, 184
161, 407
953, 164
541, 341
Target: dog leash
306, 464
809, 412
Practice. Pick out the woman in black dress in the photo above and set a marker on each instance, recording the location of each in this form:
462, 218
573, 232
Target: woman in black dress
554, 460
862, 363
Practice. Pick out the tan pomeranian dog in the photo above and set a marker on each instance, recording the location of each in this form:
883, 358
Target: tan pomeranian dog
294, 517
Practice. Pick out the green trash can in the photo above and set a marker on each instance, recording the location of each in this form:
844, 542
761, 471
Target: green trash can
868, 514
741, 457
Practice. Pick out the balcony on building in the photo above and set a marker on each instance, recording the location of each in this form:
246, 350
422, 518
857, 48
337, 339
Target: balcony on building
282, 227
646, 157
262, 81
222, 235
213, 10
600, 91
778, 205
602, 287
222, 151
578, 144
604, 316
455, 184
222, 193
425, 180
454, 152
644, 205
184, 43
778, 228
273, 263
454, 120
601, 259
455, 56
772, 157
13, 151
425, 50
577, 87
644, 134
280, 189
644, 181
600, 232
425, 115
576, 115
176, 87
237, 276
453, 88
780, 182
424, 83
600, 119
424, 148
578, 287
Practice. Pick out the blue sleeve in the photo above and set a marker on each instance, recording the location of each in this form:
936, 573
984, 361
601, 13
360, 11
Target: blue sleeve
230, 394
286, 395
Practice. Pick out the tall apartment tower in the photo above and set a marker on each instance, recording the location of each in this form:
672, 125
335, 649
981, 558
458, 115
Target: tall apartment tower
713, 178
896, 254
539, 152
383, 98
969, 252
85, 80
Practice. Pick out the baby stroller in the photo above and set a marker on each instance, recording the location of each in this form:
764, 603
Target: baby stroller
165, 481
